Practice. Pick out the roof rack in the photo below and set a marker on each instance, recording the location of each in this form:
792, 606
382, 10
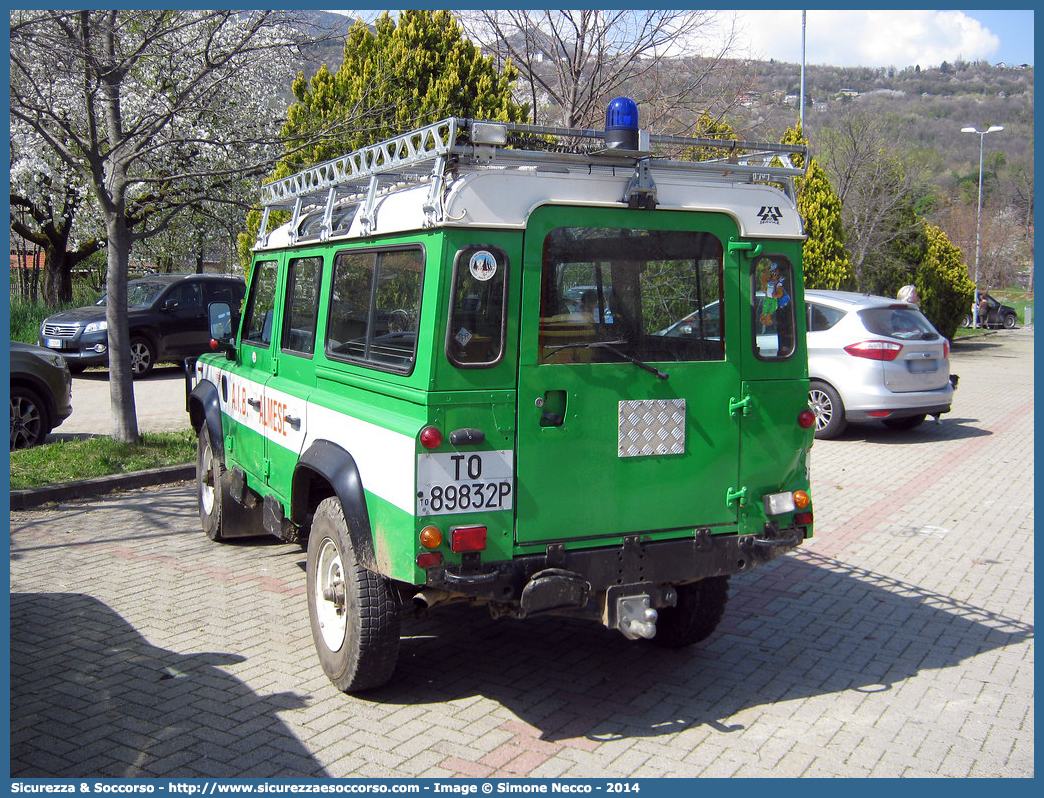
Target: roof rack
455, 146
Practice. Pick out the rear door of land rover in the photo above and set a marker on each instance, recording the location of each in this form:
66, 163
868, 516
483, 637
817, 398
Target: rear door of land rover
629, 359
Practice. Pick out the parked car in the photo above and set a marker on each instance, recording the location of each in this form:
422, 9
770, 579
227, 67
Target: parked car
996, 316
41, 394
167, 315
871, 358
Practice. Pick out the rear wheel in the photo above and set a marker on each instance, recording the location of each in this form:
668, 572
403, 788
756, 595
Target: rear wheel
29, 421
904, 423
1009, 322
143, 356
696, 615
353, 612
828, 408
967, 321
209, 471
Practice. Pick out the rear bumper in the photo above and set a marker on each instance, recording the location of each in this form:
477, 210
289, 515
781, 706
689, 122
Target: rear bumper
635, 561
899, 405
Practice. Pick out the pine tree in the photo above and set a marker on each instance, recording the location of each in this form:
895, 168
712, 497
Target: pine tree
942, 282
393, 79
826, 263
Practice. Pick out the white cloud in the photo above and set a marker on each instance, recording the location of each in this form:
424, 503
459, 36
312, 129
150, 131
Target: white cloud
867, 38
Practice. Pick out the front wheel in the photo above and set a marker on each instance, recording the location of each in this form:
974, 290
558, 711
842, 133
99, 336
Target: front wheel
209, 471
695, 616
353, 612
828, 408
29, 422
1009, 322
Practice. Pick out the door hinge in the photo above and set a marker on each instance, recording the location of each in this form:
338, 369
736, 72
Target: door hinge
735, 496
752, 249
266, 467
738, 406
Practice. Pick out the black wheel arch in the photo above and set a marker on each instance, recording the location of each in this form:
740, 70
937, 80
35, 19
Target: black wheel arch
204, 407
326, 469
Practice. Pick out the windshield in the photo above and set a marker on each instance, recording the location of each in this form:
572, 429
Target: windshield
140, 293
653, 295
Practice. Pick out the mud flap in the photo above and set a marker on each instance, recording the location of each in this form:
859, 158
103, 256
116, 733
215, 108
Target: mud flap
554, 589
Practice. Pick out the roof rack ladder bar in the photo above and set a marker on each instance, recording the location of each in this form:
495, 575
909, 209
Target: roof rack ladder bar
327, 226
295, 220
262, 231
366, 211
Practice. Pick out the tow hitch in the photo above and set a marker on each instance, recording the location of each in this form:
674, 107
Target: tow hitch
632, 608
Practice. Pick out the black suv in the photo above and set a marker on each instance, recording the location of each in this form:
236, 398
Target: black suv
168, 321
995, 315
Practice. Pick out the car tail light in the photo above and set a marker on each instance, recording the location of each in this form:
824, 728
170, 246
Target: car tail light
430, 437
946, 348
879, 413
803, 519
468, 538
806, 419
875, 350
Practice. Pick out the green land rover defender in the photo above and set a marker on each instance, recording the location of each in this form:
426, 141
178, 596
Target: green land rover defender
543, 370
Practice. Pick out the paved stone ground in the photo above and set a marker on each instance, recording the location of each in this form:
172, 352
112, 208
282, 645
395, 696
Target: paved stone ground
898, 643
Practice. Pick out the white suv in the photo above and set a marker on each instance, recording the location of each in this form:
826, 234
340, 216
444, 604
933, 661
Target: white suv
871, 358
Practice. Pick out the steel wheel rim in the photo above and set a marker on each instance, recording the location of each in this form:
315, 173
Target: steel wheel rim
821, 407
26, 422
207, 480
329, 582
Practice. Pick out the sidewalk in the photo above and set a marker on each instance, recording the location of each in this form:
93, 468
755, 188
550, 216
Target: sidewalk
899, 642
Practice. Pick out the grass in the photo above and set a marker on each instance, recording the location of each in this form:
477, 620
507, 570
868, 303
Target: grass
27, 316
67, 461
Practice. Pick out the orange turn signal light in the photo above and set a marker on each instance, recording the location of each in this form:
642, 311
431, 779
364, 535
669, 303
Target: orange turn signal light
431, 537
801, 499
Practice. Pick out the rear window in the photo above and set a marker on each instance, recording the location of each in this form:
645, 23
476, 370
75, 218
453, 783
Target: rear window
898, 322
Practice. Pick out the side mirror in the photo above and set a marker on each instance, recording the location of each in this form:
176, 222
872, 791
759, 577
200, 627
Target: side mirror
221, 329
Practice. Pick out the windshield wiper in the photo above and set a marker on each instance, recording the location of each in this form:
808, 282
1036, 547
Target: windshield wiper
611, 347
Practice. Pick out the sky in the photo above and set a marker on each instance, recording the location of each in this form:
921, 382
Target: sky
898, 38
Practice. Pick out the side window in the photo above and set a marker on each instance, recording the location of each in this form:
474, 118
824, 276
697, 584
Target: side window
260, 308
822, 318
772, 311
302, 304
187, 296
375, 308
475, 333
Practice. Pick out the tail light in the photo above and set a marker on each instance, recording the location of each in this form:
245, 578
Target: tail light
430, 437
946, 348
806, 419
875, 350
468, 538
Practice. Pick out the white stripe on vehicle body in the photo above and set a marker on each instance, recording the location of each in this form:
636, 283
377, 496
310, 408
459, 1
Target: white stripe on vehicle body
385, 458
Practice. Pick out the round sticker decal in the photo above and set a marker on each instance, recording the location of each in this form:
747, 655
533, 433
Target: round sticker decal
483, 265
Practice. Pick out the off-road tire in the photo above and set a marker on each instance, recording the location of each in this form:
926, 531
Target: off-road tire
353, 612
209, 474
696, 615
828, 408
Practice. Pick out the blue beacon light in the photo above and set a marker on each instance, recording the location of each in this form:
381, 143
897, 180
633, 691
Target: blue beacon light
621, 124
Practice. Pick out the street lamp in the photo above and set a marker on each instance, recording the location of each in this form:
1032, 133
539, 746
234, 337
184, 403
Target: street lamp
978, 214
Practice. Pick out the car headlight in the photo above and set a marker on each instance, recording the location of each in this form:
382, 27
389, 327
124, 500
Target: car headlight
96, 326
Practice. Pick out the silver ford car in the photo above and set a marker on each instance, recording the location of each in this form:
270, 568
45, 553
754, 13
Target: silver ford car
871, 358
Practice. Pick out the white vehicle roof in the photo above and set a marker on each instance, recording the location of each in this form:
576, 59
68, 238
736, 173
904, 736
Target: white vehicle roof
463, 173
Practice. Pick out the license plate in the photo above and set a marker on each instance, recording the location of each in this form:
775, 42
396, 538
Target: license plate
53, 343
923, 366
465, 482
